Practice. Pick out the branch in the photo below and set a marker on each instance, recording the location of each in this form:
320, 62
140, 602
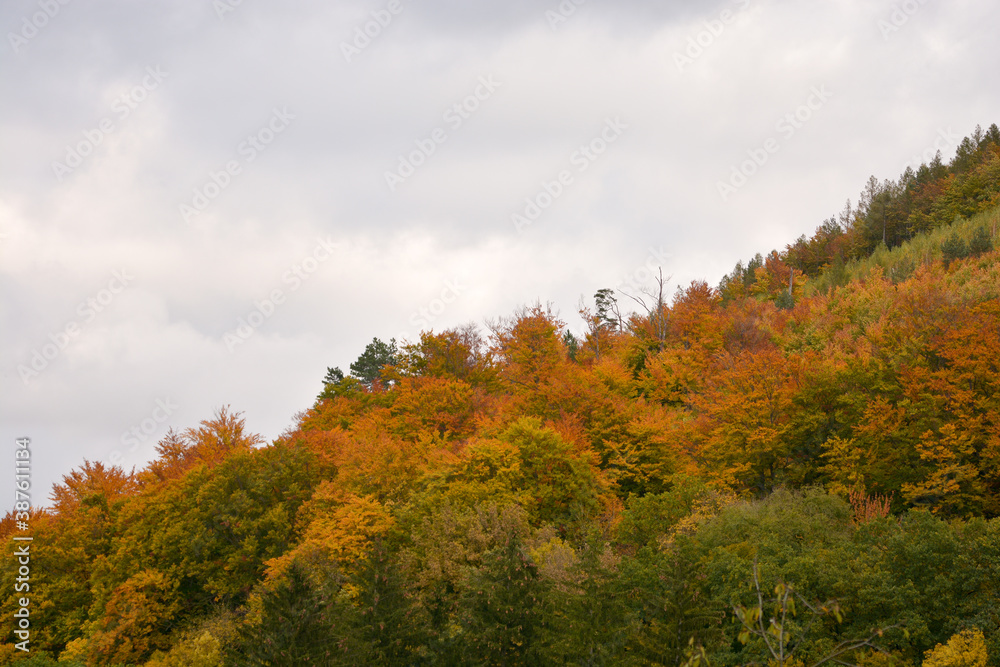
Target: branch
854, 644
760, 602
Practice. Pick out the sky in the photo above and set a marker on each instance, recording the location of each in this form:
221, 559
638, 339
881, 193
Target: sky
207, 203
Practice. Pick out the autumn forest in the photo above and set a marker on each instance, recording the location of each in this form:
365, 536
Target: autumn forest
798, 466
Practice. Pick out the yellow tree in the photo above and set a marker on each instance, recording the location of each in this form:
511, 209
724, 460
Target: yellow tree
137, 619
742, 419
966, 649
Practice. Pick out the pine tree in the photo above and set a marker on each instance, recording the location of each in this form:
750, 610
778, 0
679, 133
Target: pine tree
377, 355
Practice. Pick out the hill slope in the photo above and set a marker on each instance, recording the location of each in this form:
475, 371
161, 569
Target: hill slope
521, 496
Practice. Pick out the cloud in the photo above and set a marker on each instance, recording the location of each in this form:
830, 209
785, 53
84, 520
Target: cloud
449, 223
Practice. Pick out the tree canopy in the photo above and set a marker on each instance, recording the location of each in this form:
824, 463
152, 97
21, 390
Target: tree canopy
722, 477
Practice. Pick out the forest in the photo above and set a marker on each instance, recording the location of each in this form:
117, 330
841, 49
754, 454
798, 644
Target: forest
799, 466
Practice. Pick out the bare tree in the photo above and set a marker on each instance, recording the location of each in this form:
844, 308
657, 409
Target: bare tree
656, 310
595, 326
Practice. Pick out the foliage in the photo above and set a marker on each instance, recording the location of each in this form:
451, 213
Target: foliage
954, 248
202, 645
823, 425
503, 604
333, 375
981, 241
137, 619
785, 631
298, 624
966, 649
888, 214
369, 366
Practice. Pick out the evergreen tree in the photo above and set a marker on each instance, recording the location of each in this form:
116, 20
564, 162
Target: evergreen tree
504, 606
784, 300
333, 375
572, 344
377, 355
953, 248
607, 309
297, 626
980, 242
385, 632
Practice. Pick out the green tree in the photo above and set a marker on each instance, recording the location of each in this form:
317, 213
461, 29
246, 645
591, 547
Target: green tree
386, 629
784, 300
607, 309
588, 616
333, 375
377, 355
504, 613
954, 248
669, 606
297, 625
211, 530
571, 343
980, 242
785, 631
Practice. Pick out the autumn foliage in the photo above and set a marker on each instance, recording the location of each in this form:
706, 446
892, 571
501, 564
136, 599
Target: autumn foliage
517, 495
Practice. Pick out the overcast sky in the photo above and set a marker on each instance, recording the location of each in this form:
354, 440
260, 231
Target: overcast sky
205, 204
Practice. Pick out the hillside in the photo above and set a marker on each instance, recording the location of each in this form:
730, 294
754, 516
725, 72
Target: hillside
646, 493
